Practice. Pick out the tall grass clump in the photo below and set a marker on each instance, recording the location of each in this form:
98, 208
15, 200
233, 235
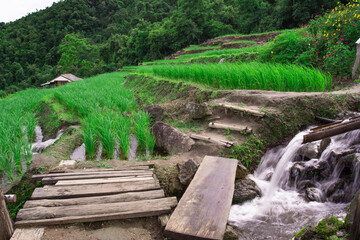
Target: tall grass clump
89, 136
254, 75
142, 132
106, 132
123, 126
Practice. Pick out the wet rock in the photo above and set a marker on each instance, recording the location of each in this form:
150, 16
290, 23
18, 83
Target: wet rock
230, 233
336, 155
296, 172
355, 203
187, 171
302, 185
246, 189
314, 194
198, 110
170, 139
241, 171
335, 186
155, 111
309, 151
317, 170
306, 233
323, 145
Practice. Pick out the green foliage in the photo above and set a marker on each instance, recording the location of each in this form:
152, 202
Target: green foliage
142, 132
246, 76
2, 94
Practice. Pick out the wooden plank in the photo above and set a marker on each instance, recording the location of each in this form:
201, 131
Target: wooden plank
51, 192
208, 139
6, 226
28, 234
122, 197
96, 212
53, 180
203, 211
231, 127
146, 167
243, 109
102, 180
40, 176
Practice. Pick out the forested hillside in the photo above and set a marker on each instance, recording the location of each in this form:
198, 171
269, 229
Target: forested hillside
87, 37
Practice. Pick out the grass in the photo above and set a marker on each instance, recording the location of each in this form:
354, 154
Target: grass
245, 41
179, 60
251, 49
252, 75
197, 47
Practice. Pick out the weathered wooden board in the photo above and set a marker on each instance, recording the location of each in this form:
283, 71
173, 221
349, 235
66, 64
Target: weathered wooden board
6, 226
41, 176
102, 180
211, 140
53, 180
51, 192
101, 170
94, 212
122, 197
28, 234
245, 109
230, 127
203, 211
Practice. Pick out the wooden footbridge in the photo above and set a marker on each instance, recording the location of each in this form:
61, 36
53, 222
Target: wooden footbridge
95, 195
98, 195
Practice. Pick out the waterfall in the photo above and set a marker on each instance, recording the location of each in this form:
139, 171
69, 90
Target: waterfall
298, 191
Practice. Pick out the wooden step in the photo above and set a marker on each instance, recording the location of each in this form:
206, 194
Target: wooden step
203, 211
28, 234
76, 173
245, 109
232, 127
211, 140
122, 197
94, 212
140, 167
51, 192
53, 180
102, 180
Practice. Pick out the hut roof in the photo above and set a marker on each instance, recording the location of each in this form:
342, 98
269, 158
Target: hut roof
68, 77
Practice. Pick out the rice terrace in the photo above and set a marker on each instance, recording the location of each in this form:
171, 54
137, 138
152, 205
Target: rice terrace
180, 120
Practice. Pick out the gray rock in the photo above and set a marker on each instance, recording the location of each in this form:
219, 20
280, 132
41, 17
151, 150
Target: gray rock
198, 110
230, 233
155, 111
323, 145
335, 186
309, 151
170, 139
315, 194
246, 189
241, 171
307, 233
349, 220
187, 171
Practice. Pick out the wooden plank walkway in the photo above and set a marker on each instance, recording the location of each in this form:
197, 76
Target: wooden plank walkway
94, 195
203, 211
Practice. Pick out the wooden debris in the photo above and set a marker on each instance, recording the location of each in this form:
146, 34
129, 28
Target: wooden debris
122, 197
332, 129
243, 109
6, 226
326, 120
10, 198
94, 212
203, 211
51, 192
28, 234
230, 127
208, 139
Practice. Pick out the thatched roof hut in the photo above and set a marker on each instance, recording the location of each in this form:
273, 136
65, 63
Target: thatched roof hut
62, 80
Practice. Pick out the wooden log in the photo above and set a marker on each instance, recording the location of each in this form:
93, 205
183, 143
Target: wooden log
53, 180
326, 120
211, 140
102, 180
203, 210
28, 234
6, 226
230, 127
329, 131
122, 197
126, 173
96, 212
243, 109
60, 192
357, 60
10, 198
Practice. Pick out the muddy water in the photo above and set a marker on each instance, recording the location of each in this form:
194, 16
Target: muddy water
282, 210
133, 147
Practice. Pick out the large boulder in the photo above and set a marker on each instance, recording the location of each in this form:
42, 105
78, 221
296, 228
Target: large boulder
355, 204
170, 139
314, 194
241, 171
187, 171
328, 228
155, 111
198, 110
309, 151
246, 189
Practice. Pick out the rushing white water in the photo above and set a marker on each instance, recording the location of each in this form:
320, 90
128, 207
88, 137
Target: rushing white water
283, 209
39, 146
79, 153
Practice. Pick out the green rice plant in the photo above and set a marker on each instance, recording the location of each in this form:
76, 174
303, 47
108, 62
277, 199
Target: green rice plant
197, 47
245, 41
89, 136
30, 124
142, 132
106, 132
123, 126
252, 75
17, 154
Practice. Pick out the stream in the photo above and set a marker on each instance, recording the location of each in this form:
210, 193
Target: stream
298, 190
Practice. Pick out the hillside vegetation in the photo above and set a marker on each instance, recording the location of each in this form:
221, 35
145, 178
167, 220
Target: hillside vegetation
87, 37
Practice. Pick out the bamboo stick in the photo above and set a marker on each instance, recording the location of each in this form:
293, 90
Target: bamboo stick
243, 109
231, 127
